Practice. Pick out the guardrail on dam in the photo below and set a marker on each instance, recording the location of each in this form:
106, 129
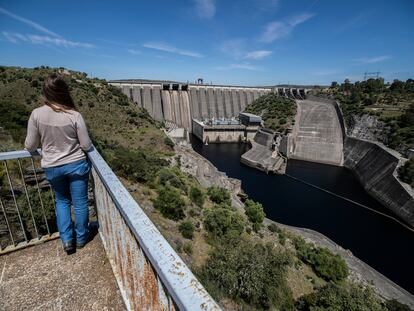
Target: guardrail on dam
179, 103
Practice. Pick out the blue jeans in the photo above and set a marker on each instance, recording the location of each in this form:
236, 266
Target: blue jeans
70, 185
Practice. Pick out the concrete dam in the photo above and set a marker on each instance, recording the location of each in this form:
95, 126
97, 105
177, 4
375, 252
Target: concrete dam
178, 103
317, 134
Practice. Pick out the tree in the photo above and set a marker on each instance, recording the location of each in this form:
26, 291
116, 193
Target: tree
325, 264
346, 86
406, 172
170, 203
252, 272
196, 196
334, 84
219, 195
255, 213
220, 222
394, 305
334, 297
186, 228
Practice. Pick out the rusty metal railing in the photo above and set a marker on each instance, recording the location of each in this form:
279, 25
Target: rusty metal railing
27, 209
150, 274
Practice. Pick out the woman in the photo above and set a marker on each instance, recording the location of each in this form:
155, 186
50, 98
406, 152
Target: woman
61, 131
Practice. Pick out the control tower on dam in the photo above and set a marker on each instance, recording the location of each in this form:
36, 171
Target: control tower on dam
178, 103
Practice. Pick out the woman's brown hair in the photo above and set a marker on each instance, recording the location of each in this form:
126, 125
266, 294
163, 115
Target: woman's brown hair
56, 91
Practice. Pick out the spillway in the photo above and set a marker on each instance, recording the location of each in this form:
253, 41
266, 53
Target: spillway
317, 134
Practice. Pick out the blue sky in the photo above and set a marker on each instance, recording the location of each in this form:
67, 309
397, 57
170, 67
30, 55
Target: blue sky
239, 42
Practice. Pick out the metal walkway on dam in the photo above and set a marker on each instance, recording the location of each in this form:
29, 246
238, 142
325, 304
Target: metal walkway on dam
179, 103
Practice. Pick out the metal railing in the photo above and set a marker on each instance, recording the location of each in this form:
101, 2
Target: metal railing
149, 273
27, 210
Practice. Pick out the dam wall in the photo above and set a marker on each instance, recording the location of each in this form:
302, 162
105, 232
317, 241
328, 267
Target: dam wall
179, 103
376, 168
317, 134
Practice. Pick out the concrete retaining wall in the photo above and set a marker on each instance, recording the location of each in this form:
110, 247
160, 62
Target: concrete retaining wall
375, 166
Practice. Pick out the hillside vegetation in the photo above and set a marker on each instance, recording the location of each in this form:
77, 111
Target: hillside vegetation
243, 264
390, 105
278, 113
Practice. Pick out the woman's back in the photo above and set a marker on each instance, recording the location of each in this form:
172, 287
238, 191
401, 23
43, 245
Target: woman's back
62, 134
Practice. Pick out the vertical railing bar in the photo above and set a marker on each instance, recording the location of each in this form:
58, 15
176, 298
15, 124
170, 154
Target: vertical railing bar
51, 192
170, 302
27, 197
7, 220
40, 196
14, 199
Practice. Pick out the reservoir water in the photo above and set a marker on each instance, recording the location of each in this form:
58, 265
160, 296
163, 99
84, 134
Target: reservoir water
379, 241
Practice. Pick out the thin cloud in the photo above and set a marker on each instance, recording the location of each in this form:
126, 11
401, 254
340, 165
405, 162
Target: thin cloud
29, 23
280, 29
373, 60
267, 5
44, 40
134, 52
125, 45
171, 49
205, 8
234, 48
244, 66
258, 54
299, 19
355, 22
325, 72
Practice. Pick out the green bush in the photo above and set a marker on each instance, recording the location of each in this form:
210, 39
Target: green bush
220, 222
139, 165
255, 213
280, 233
335, 297
188, 248
394, 305
168, 142
219, 195
38, 214
196, 196
169, 178
325, 264
170, 203
13, 118
186, 229
274, 228
253, 273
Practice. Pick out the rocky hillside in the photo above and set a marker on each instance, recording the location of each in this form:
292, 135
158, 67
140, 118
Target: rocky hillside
376, 110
